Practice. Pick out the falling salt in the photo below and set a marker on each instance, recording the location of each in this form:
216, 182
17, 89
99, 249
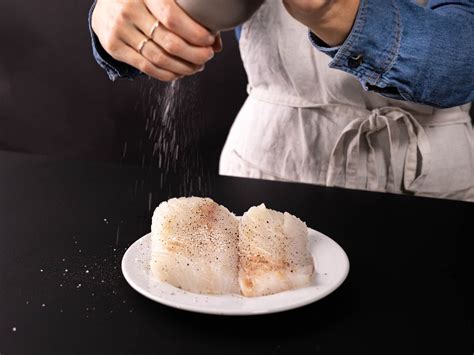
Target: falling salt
14, 329
41, 270
87, 271
124, 150
150, 199
117, 236
172, 141
66, 270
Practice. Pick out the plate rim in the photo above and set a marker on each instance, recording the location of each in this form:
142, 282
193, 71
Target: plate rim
236, 312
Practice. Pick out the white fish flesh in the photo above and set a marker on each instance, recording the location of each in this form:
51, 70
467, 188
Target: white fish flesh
273, 251
194, 246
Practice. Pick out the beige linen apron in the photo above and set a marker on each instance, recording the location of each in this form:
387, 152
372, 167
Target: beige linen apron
308, 123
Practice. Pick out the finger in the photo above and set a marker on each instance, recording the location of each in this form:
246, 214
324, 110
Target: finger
130, 56
144, 21
163, 60
177, 47
218, 45
170, 14
156, 55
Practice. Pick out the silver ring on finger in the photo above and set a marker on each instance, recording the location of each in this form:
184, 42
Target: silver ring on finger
153, 29
142, 45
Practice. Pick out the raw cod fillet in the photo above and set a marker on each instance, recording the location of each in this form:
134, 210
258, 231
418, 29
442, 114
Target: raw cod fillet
194, 246
273, 250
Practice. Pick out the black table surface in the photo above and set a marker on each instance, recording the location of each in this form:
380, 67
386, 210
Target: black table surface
64, 226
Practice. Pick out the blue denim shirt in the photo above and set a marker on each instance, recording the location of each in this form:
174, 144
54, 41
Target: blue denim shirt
396, 48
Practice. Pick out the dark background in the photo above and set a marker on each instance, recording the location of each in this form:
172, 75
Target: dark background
55, 100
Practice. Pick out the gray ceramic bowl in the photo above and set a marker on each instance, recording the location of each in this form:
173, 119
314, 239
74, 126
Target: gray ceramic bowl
220, 15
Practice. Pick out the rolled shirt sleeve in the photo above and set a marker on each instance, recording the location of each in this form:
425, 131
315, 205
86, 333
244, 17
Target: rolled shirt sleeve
406, 51
114, 68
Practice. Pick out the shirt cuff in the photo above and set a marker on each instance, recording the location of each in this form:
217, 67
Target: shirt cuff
321, 46
114, 68
371, 47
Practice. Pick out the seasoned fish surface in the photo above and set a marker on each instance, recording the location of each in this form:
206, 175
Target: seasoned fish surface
195, 246
273, 250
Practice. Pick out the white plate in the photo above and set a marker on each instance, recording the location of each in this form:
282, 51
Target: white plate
332, 267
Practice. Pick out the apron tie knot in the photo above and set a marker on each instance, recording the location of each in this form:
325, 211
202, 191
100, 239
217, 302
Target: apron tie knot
356, 161
375, 124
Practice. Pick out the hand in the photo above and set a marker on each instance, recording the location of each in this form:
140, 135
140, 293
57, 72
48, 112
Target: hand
179, 46
330, 20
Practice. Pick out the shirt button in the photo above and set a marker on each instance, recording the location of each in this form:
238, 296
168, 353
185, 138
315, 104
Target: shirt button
355, 61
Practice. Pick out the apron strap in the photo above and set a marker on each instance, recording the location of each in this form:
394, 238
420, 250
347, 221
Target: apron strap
359, 166
336, 161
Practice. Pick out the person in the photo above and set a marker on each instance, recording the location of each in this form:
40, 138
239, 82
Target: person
375, 96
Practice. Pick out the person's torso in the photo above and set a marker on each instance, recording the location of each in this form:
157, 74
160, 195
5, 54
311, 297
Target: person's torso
298, 106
